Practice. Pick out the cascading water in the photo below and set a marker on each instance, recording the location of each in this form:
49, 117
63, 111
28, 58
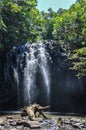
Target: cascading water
17, 84
32, 61
29, 76
22, 71
44, 68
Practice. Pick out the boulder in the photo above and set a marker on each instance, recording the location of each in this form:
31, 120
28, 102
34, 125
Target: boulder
31, 124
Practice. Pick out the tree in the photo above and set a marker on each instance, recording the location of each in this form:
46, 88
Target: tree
18, 18
79, 61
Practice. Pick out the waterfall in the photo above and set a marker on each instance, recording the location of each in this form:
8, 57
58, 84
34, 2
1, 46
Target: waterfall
36, 57
16, 78
29, 76
24, 63
44, 68
39, 72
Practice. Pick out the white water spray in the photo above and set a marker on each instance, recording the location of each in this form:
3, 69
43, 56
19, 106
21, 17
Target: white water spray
29, 76
44, 68
30, 70
16, 77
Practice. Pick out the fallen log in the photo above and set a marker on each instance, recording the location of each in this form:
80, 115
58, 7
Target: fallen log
32, 109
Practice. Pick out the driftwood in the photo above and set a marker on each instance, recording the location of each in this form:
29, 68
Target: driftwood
32, 109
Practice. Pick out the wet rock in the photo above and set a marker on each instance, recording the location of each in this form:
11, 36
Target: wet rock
77, 125
10, 120
39, 119
9, 117
75, 120
25, 117
3, 120
67, 121
82, 126
59, 121
54, 121
53, 128
13, 123
20, 127
50, 124
33, 124
3, 129
63, 126
13, 129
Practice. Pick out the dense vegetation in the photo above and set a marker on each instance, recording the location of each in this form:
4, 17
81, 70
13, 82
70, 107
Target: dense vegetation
21, 21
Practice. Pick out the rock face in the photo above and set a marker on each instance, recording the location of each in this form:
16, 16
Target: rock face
7, 98
65, 92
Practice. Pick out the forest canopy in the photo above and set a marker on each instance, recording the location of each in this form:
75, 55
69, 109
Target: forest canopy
21, 21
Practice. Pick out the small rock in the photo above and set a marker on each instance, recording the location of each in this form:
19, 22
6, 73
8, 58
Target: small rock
13, 129
3, 129
13, 123
19, 127
3, 120
39, 119
25, 128
9, 117
77, 125
63, 126
83, 122
75, 120
59, 121
82, 126
67, 121
33, 124
25, 117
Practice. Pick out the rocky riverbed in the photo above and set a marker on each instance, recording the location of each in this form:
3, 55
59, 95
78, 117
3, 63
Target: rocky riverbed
17, 122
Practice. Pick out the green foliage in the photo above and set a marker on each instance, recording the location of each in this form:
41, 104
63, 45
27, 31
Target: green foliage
79, 61
20, 22
71, 31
